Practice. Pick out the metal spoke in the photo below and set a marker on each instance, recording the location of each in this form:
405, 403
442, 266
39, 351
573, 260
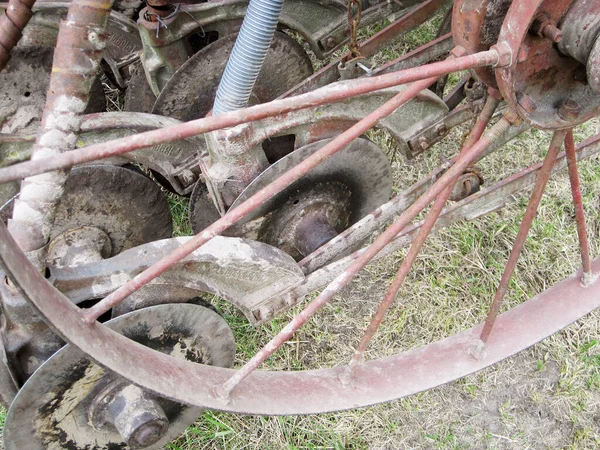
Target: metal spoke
92, 314
329, 94
370, 252
588, 277
482, 121
534, 201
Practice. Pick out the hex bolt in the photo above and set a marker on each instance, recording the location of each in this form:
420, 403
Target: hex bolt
569, 110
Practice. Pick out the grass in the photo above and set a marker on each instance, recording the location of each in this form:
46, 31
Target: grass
545, 397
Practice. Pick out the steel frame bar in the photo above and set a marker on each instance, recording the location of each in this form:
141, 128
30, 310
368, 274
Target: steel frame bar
536, 196
584, 249
330, 94
232, 216
368, 48
425, 230
365, 257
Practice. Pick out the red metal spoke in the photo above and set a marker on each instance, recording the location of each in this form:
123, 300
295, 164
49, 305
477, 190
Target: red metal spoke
482, 121
330, 94
534, 201
588, 277
367, 255
232, 216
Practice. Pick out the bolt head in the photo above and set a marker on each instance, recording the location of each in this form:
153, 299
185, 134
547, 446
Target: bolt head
569, 110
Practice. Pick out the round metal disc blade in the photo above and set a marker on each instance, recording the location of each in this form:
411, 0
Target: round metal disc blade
23, 86
127, 205
202, 210
51, 409
190, 92
139, 96
362, 166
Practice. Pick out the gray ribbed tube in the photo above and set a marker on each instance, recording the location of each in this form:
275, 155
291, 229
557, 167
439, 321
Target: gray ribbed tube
248, 55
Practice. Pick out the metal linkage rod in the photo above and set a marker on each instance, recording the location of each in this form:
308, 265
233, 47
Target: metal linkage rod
77, 57
370, 252
532, 207
587, 277
482, 121
232, 216
12, 23
330, 94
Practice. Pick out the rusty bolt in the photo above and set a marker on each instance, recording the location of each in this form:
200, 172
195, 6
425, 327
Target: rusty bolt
569, 110
423, 143
330, 42
544, 27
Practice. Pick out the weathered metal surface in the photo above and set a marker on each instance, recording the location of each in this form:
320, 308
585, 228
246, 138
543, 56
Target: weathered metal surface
331, 94
238, 156
545, 90
122, 37
23, 87
128, 206
66, 403
189, 28
12, 24
75, 65
190, 92
401, 26
262, 273
460, 164
174, 164
476, 26
361, 169
234, 215
303, 392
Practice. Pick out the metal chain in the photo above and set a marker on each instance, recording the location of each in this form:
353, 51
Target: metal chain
354, 11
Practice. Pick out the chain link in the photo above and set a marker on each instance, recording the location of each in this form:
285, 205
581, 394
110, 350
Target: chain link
354, 11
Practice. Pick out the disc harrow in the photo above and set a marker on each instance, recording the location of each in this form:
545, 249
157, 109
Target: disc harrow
106, 341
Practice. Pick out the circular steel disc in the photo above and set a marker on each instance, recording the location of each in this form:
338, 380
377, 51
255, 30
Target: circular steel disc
23, 86
202, 210
51, 409
128, 206
362, 166
190, 92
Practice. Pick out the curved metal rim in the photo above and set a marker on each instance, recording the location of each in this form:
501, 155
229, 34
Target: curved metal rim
309, 391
